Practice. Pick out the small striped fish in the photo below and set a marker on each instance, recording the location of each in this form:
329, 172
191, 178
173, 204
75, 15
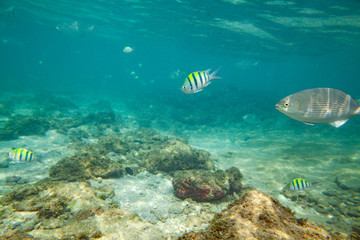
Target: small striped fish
299, 184
196, 81
21, 155
320, 105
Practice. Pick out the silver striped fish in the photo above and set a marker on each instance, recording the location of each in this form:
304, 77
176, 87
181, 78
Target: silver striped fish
196, 81
320, 105
21, 155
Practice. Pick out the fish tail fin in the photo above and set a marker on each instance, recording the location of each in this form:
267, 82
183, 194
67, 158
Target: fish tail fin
357, 111
213, 74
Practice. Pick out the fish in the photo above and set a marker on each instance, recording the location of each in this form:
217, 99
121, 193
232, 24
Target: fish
127, 50
196, 81
129, 171
320, 105
74, 29
299, 184
21, 155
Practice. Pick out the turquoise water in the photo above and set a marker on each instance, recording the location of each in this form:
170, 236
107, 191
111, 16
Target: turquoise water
267, 50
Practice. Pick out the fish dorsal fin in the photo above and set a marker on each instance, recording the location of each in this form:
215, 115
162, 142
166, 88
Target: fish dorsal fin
338, 123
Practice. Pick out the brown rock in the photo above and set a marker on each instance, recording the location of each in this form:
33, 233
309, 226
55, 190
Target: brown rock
259, 216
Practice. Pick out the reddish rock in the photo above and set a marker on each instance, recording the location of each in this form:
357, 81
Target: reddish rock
206, 186
259, 216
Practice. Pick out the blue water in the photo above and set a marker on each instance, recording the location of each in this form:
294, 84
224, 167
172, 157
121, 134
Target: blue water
267, 50
265, 45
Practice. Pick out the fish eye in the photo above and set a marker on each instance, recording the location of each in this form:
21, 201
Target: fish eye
286, 104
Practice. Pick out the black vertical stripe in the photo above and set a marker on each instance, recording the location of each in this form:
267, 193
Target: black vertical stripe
297, 184
195, 82
26, 156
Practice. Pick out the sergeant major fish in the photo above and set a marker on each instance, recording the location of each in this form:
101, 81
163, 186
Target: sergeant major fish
196, 81
21, 155
299, 184
320, 105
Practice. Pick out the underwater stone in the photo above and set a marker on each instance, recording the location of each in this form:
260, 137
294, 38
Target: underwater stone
145, 138
70, 169
54, 208
113, 143
43, 212
354, 211
324, 209
6, 108
62, 125
101, 117
4, 163
234, 175
85, 166
204, 186
23, 126
348, 181
105, 192
50, 102
258, 215
12, 179
175, 155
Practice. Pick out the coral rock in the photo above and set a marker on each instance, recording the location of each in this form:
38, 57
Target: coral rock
176, 155
259, 216
206, 186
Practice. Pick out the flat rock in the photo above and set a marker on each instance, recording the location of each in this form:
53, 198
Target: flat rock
348, 181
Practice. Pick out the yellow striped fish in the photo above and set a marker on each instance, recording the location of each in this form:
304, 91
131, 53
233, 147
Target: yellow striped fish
196, 81
21, 155
320, 105
299, 184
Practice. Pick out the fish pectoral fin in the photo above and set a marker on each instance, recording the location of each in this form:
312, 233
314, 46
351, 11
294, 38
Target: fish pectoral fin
338, 123
207, 84
198, 90
309, 123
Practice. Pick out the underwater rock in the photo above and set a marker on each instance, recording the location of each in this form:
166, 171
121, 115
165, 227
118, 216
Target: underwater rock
234, 176
68, 211
77, 135
145, 138
105, 192
49, 211
11, 180
206, 186
85, 166
113, 143
70, 169
54, 207
348, 181
175, 155
23, 126
258, 215
63, 124
50, 102
4, 163
6, 108
101, 105
355, 232
101, 117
